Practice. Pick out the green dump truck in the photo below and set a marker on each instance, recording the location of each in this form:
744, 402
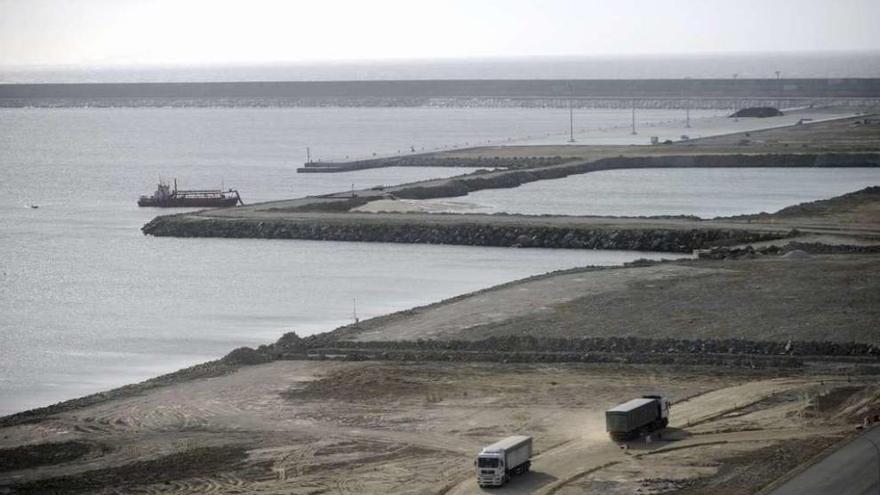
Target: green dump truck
637, 417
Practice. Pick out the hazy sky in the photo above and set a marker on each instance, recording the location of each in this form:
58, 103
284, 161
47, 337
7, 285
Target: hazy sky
109, 32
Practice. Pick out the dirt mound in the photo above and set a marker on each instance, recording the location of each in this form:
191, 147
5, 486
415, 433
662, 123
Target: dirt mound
366, 383
845, 203
759, 112
290, 341
245, 356
797, 254
860, 405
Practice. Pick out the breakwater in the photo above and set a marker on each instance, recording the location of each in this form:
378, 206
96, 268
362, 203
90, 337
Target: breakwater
746, 252
619, 103
434, 161
515, 175
282, 221
532, 349
448, 92
527, 233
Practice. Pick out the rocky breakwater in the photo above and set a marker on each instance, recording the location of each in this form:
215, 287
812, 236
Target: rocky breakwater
532, 349
517, 173
431, 160
327, 217
526, 232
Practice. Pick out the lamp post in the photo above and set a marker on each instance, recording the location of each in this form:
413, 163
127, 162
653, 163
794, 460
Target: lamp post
570, 115
779, 91
634, 117
687, 105
735, 99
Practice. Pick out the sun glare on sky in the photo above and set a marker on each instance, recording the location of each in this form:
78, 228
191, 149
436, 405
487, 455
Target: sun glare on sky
122, 32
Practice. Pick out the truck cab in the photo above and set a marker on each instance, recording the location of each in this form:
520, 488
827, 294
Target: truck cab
663, 403
496, 463
490, 468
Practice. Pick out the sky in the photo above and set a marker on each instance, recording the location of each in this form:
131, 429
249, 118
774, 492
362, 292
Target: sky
180, 32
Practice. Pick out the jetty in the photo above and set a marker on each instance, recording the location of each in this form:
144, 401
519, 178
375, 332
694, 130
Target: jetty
846, 143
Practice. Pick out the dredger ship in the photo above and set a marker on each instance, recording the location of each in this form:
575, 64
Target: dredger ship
168, 197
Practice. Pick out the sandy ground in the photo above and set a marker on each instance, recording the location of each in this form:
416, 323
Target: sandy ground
326, 427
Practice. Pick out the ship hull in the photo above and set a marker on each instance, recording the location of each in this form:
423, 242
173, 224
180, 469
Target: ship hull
188, 202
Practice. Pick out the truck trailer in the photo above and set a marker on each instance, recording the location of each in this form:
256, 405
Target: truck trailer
496, 463
636, 417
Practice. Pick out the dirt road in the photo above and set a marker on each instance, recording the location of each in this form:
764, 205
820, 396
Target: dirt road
554, 469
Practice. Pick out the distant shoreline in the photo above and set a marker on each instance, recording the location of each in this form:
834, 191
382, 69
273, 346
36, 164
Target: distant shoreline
420, 92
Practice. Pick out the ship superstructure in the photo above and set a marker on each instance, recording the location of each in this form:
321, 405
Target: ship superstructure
167, 196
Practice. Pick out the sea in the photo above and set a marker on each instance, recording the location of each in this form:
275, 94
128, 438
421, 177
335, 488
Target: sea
700, 192
88, 303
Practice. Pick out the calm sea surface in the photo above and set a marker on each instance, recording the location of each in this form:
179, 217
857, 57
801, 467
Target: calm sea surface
720, 66
704, 192
89, 303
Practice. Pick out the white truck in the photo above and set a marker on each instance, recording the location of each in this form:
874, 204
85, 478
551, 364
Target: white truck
496, 463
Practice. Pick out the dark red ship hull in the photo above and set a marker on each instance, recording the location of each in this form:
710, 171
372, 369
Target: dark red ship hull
188, 202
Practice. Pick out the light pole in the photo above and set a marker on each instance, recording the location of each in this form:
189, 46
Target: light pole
570, 115
877, 448
634, 117
735, 99
687, 105
779, 91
